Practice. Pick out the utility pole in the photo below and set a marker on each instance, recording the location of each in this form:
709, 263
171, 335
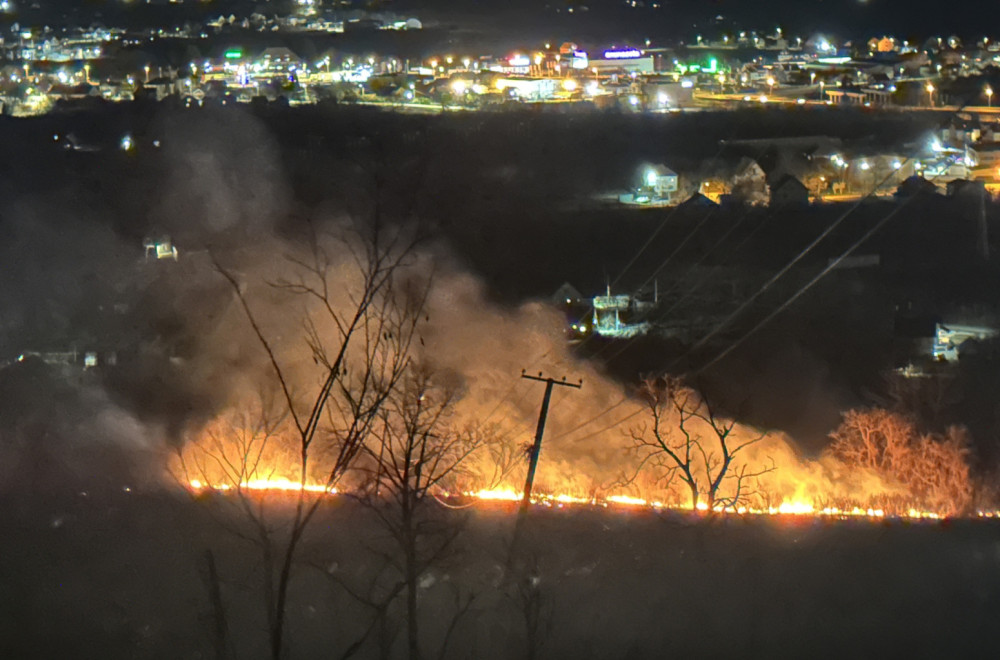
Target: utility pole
536, 448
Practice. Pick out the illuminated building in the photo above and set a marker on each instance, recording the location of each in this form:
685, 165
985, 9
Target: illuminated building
613, 314
949, 339
627, 60
160, 248
658, 187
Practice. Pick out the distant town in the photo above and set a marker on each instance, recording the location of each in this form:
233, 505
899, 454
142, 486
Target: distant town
229, 59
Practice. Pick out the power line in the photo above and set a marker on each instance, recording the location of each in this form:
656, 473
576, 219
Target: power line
833, 264
592, 419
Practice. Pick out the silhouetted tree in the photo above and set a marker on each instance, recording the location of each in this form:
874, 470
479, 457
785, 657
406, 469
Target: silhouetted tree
359, 334
687, 439
413, 452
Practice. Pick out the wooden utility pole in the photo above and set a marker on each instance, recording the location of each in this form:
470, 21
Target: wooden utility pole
536, 448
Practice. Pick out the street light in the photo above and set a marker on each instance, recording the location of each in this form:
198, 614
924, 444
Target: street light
989, 96
822, 84
146, 69
930, 94
770, 85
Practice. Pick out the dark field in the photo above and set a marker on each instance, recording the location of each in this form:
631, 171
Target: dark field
115, 575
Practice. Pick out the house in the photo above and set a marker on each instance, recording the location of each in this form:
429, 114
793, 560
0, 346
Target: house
699, 201
566, 294
950, 341
788, 192
612, 317
916, 185
714, 189
160, 248
658, 186
961, 188
749, 183
661, 180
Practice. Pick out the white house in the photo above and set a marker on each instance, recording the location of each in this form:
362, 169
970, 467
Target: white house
658, 186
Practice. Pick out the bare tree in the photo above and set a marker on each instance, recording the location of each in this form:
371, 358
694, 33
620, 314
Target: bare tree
359, 329
933, 468
686, 439
415, 449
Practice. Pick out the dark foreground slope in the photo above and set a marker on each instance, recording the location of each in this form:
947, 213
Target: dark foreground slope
116, 574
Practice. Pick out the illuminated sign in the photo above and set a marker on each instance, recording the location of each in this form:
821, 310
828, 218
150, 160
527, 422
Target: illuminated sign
519, 60
626, 54
579, 60
234, 54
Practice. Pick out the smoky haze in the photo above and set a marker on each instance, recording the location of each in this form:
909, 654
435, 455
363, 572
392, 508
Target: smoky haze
248, 192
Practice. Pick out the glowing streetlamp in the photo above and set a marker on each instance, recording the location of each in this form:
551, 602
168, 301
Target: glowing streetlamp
930, 94
989, 96
146, 69
822, 84
86, 72
770, 86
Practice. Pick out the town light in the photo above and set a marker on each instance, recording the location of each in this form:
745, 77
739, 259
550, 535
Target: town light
651, 178
459, 86
569, 85
989, 95
930, 94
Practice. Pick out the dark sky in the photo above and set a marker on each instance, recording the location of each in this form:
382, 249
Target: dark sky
905, 18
